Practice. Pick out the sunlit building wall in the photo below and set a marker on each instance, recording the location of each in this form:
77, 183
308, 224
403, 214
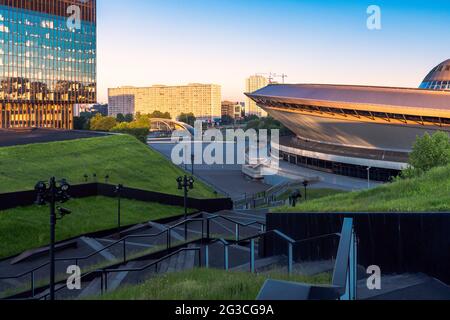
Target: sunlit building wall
253, 84
45, 66
203, 100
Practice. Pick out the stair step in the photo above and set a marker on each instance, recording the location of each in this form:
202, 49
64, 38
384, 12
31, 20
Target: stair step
172, 264
180, 261
92, 289
260, 264
163, 266
118, 277
189, 262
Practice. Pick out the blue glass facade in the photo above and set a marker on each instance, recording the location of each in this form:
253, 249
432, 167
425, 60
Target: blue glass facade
435, 85
46, 66
438, 78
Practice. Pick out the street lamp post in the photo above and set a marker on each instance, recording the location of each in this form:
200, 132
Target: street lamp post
185, 183
305, 185
51, 193
118, 191
192, 163
368, 177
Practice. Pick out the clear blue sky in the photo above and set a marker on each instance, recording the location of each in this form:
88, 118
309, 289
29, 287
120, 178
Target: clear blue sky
145, 42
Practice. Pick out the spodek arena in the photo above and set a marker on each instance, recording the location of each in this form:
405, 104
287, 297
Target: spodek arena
347, 130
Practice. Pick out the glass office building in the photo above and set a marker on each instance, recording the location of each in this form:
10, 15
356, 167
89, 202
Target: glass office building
47, 61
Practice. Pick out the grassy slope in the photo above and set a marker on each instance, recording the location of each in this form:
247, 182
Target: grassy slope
123, 158
205, 284
28, 227
428, 193
314, 193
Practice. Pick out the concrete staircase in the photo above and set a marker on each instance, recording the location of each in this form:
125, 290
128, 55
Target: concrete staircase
410, 286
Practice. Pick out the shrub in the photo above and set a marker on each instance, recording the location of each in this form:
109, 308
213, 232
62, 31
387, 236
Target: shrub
428, 152
133, 129
101, 123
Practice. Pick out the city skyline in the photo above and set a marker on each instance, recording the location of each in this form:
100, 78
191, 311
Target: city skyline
173, 42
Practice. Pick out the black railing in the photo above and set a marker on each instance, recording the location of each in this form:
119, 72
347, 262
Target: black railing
123, 241
289, 241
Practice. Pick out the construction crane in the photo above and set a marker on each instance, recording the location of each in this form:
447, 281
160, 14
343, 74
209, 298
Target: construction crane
272, 76
282, 76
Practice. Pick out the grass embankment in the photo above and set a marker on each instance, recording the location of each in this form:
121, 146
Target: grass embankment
312, 194
205, 284
28, 227
427, 193
123, 158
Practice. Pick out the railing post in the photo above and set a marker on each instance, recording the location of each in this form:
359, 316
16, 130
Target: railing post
106, 281
237, 232
169, 240
290, 258
226, 263
32, 284
185, 231
252, 256
207, 256
203, 230
101, 283
124, 251
207, 229
199, 258
352, 268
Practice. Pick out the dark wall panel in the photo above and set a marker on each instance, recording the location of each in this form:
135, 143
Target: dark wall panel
397, 242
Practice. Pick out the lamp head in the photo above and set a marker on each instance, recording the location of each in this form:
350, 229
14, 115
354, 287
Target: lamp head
191, 183
41, 186
180, 183
64, 185
63, 212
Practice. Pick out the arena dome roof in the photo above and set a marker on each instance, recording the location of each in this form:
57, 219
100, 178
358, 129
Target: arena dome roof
438, 78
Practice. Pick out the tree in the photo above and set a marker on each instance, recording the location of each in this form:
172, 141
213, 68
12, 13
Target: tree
133, 128
160, 115
226, 119
188, 118
129, 118
428, 152
142, 120
79, 123
251, 118
120, 118
101, 123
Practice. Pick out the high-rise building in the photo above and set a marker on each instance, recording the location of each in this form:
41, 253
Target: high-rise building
47, 61
203, 100
253, 84
232, 109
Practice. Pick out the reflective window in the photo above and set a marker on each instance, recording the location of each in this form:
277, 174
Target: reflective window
41, 59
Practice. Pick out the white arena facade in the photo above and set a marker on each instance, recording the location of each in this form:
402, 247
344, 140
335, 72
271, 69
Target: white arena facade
348, 130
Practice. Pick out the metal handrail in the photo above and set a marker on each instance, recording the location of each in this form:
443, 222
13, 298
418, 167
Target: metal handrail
106, 271
103, 272
225, 243
289, 240
242, 224
237, 223
123, 240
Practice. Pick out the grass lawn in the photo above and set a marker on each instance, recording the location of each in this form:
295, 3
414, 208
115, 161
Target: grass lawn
428, 193
28, 227
314, 193
122, 157
205, 284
